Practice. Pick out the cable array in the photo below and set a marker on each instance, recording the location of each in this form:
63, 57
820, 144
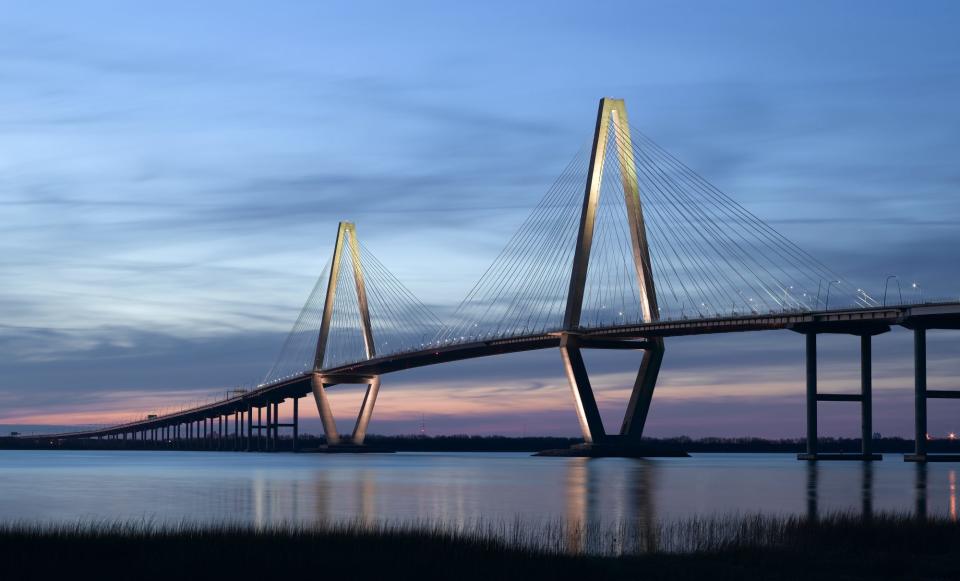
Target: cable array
399, 322
525, 289
298, 350
710, 257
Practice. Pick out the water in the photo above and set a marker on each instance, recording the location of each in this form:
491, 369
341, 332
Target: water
452, 488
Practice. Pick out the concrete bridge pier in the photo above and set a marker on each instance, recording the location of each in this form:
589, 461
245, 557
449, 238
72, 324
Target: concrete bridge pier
319, 385
259, 427
267, 428
276, 425
865, 398
921, 395
296, 424
249, 414
597, 442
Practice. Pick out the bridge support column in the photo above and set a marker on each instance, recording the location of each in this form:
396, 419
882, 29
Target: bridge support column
276, 425
588, 414
642, 395
866, 395
920, 390
326, 412
919, 396
596, 441
268, 445
249, 414
922, 394
320, 383
366, 411
259, 428
296, 423
811, 344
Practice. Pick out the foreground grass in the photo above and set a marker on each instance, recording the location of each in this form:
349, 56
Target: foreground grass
735, 547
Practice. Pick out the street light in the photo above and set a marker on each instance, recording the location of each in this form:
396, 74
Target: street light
919, 290
899, 290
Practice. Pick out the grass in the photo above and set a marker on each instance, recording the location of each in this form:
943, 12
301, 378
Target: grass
837, 546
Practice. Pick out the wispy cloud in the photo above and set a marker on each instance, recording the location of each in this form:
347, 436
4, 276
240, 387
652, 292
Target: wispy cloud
170, 185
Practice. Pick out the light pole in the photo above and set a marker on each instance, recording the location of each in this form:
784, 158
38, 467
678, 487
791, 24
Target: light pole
899, 290
919, 290
826, 305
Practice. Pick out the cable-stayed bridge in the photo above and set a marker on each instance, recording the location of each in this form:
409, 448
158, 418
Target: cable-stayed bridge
628, 247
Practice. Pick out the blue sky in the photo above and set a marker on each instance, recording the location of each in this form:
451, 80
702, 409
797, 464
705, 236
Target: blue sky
171, 180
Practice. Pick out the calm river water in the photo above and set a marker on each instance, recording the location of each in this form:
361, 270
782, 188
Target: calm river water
451, 488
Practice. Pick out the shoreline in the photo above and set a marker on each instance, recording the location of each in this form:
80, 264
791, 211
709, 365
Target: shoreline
311, 444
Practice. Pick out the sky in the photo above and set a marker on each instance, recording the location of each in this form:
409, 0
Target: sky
172, 176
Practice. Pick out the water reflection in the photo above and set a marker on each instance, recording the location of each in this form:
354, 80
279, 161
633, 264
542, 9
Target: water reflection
367, 490
458, 490
953, 494
866, 470
598, 497
813, 492
578, 498
643, 514
866, 490
921, 486
920, 490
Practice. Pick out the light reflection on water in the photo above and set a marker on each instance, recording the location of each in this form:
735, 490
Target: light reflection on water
455, 489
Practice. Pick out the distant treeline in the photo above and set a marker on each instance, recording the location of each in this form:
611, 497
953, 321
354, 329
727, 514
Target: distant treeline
465, 443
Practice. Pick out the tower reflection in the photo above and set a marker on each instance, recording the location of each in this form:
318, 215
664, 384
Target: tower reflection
643, 476
631, 492
577, 499
366, 490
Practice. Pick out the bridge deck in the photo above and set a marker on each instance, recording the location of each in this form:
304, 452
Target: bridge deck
867, 321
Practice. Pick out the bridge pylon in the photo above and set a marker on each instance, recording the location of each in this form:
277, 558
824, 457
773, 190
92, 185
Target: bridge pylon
612, 130
346, 242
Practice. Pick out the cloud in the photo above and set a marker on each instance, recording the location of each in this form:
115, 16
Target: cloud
170, 186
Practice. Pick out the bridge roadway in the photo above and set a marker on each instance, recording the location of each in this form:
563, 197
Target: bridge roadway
861, 321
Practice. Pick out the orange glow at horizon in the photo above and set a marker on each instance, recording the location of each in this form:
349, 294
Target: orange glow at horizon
408, 401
